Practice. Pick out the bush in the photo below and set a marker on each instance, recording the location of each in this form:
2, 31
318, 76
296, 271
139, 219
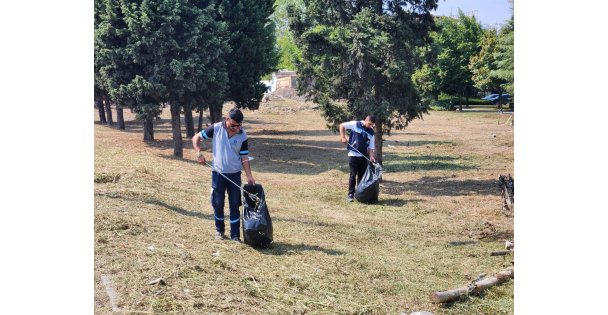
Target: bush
441, 105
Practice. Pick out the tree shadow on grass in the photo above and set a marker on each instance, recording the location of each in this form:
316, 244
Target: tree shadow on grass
297, 133
443, 186
461, 243
160, 126
308, 222
157, 202
416, 143
180, 210
394, 202
391, 202
166, 144
396, 163
281, 248
276, 155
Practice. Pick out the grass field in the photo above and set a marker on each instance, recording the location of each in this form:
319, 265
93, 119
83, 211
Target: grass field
438, 218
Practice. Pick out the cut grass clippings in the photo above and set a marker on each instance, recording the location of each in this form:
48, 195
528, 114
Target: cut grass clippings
434, 227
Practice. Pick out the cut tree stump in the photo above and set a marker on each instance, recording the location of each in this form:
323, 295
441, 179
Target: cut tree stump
473, 288
507, 193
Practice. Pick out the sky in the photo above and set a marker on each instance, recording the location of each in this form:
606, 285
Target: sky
487, 12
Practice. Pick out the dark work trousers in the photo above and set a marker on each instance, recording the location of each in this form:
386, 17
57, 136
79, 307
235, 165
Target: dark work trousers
357, 164
219, 186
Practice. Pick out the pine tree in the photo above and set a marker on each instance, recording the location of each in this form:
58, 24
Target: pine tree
253, 52
504, 57
162, 52
362, 52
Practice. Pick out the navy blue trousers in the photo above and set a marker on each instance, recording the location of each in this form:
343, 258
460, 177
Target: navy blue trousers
219, 186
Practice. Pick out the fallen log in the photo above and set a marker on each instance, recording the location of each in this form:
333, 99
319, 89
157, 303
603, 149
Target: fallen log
501, 253
473, 288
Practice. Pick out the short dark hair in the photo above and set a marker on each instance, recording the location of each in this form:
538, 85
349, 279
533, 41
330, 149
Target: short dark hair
371, 118
236, 115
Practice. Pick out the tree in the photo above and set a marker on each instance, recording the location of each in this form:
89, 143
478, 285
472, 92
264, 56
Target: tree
482, 64
114, 66
98, 81
458, 40
286, 42
446, 59
358, 58
170, 53
97, 93
504, 56
253, 52
426, 79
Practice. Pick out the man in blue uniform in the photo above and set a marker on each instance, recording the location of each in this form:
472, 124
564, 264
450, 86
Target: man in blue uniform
362, 139
230, 155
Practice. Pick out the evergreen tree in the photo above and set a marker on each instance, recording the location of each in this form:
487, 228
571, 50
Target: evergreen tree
186, 45
362, 52
253, 52
504, 58
100, 90
113, 60
163, 52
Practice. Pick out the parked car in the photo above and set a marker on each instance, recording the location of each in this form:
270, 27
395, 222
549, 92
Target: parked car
494, 98
488, 97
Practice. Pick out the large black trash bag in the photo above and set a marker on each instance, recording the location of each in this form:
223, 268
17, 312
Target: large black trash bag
257, 226
369, 187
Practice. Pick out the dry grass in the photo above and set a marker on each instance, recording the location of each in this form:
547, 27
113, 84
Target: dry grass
438, 219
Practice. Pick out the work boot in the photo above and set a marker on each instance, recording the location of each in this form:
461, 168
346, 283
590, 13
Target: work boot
219, 236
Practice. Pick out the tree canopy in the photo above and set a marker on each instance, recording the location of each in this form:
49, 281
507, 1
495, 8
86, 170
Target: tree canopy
358, 58
482, 64
361, 52
253, 49
458, 41
159, 52
504, 56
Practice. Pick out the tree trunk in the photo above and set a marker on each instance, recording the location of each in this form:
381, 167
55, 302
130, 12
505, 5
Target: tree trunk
215, 112
189, 122
106, 101
177, 131
200, 121
149, 128
120, 117
460, 100
500, 98
102, 111
473, 288
378, 141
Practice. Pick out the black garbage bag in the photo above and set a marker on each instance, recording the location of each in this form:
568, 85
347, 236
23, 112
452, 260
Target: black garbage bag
257, 226
369, 187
